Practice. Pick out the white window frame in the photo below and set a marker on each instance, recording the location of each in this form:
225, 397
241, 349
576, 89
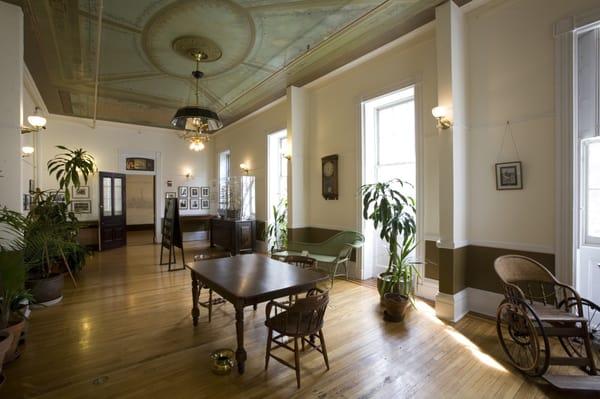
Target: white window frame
279, 135
586, 238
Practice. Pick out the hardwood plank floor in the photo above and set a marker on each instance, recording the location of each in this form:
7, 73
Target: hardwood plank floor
126, 332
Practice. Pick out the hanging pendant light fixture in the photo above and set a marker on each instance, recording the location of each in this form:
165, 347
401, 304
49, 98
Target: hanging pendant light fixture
198, 122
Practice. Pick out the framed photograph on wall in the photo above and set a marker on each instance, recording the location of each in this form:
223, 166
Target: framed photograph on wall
205, 192
205, 204
82, 206
509, 176
59, 196
183, 191
195, 203
194, 192
81, 192
183, 203
171, 194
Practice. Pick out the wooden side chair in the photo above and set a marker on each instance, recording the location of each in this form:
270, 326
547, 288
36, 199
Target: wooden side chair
211, 254
303, 320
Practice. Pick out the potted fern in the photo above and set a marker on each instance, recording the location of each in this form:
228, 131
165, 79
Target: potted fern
393, 216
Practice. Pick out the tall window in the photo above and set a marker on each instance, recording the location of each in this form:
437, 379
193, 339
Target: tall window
389, 152
591, 191
277, 170
224, 164
224, 173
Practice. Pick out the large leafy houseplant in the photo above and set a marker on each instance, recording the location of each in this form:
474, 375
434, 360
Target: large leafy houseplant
393, 216
276, 234
70, 168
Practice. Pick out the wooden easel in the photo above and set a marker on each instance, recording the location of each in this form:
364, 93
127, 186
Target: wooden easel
171, 233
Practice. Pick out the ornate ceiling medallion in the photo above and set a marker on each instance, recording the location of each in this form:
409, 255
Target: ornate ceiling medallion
189, 46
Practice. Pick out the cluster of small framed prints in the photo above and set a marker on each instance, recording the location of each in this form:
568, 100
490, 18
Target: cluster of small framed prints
191, 197
80, 199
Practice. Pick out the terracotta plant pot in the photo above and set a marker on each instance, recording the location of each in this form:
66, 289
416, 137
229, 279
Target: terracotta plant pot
46, 289
15, 332
5, 340
396, 306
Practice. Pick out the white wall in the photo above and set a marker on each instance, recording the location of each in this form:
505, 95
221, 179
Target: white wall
11, 80
511, 77
247, 141
336, 127
110, 141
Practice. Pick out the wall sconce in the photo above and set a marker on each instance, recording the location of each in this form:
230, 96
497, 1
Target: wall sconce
245, 168
187, 173
439, 113
287, 156
27, 151
36, 121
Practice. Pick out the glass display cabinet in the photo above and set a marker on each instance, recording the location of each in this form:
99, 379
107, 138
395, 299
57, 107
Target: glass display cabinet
235, 228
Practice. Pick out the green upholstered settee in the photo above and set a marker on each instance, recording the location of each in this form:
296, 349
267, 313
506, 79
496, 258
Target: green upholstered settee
330, 254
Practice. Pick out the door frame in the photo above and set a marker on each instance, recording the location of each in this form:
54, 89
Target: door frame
123, 215
159, 200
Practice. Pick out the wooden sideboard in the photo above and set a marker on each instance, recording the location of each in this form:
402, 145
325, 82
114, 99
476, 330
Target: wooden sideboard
237, 236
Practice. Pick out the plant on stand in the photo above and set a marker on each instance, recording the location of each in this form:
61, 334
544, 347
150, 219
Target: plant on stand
49, 232
276, 234
393, 215
13, 303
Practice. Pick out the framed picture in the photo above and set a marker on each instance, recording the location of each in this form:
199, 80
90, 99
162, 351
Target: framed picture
31, 186
140, 164
194, 203
81, 192
509, 176
183, 191
59, 196
205, 192
171, 194
82, 206
183, 203
194, 192
205, 204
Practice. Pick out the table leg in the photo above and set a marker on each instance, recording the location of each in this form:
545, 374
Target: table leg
195, 299
240, 353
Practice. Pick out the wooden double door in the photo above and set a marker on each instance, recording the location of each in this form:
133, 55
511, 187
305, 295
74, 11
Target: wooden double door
112, 220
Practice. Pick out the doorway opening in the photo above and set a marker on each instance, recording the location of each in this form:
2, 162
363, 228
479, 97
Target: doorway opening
389, 152
140, 204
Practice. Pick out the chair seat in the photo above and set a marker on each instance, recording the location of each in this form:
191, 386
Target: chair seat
317, 257
287, 324
551, 313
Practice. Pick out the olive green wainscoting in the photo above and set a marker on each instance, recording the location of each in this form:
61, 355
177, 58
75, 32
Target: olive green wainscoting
471, 266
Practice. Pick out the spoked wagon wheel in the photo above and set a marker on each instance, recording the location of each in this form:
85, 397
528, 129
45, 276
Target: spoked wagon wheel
574, 346
522, 337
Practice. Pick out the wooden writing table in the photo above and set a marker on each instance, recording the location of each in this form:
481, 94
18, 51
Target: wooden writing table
246, 280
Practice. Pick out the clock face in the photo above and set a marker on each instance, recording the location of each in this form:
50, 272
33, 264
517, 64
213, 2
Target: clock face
328, 169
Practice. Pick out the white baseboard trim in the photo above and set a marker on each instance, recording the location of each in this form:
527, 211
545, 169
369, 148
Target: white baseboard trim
483, 302
451, 307
455, 307
428, 289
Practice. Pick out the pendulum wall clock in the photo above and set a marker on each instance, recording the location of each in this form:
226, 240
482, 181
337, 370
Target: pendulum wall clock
329, 176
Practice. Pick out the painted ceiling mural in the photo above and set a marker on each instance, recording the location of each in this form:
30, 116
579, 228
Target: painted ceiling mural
254, 48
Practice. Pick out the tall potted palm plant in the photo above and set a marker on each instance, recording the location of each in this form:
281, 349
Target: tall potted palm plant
276, 232
393, 215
